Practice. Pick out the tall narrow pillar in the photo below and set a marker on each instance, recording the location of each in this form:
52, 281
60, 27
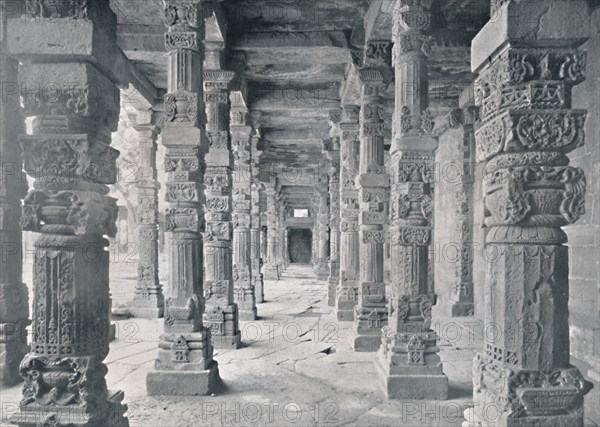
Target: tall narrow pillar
148, 299
14, 307
244, 290
185, 364
221, 314
373, 194
333, 172
528, 127
69, 210
255, 231
408, 360
271, 269
322, 224
347, 292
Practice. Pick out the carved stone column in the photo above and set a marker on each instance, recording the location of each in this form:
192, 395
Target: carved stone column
221, 314
527, 129
14, 307
70, 156
408, 358
148, 300
255, 230
373, 194
242, 221
185, 364
333, 154
321, 267
271, 269
347, 292
458, 126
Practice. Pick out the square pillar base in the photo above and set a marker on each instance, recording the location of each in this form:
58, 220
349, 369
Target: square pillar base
112, 415
331, 292
183, 383
458, 309
247, 315
412, 387
227, 342
147, 312
364, 343
344, 315
271, 273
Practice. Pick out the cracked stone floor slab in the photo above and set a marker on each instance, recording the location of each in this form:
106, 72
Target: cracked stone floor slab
296, 368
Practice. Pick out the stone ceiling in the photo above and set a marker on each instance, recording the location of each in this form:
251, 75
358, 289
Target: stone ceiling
298, 54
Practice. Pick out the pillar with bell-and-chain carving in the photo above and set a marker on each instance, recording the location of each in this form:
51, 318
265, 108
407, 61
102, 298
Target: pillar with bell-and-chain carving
347, 292
271, 269
148, 298
244, 290
75, 102
255, 231
221, 314
321, 188
408, 359
528, 127
333, 172
185, 364
370, 313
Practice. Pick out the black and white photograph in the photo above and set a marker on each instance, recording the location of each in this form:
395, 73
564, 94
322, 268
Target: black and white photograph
300, 213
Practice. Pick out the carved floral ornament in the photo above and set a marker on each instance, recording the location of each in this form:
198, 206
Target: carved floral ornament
547, 196
526, 130
69, 212
75, 9
181, 107
182, 13
529, 393
520, 66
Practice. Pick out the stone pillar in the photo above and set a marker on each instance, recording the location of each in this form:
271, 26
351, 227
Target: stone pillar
221, 314
14, 307
321, 267
185, 364
334, 220
347, 292
271, 269
373, 194
148, 299
458, 230
255, 230
242, 222
527, 130
255, 235
408, 359
69, 208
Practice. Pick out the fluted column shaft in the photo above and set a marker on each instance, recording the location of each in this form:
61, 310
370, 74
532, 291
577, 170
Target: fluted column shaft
221, 313
148, 299
528, 128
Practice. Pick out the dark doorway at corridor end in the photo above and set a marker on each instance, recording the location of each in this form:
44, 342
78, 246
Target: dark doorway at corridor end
300, 245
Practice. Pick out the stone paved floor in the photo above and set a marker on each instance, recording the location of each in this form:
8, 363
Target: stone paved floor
296, 369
